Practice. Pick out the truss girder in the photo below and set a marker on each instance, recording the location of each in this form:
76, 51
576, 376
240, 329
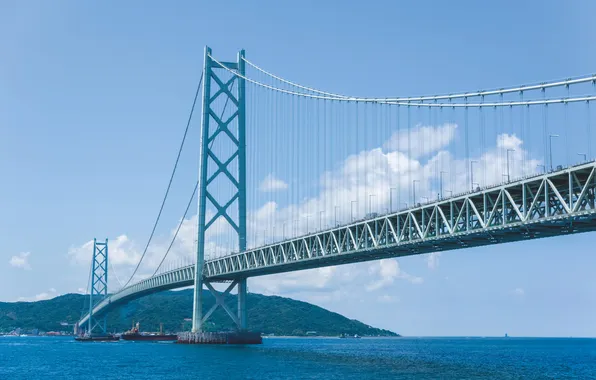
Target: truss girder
516, 211
476, 218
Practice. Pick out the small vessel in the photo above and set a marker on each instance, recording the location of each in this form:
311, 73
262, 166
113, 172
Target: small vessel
135, 334
97, 338
347, 336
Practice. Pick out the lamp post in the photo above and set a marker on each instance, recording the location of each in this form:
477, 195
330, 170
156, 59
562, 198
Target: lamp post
472, 162
336, 223
414, 189
508, 175
391, 198
441, 183
585, 156
370, 197
352, 210
320, 220
550, 150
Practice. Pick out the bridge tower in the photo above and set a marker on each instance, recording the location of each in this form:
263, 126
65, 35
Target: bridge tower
99, 285
225, 126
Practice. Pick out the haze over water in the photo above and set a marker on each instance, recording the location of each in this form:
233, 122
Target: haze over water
301, 358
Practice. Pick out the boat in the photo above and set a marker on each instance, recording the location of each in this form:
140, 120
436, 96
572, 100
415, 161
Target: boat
97, 338
134, 334
347, 336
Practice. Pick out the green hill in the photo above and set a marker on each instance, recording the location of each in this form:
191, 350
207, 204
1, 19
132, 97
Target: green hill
266, 314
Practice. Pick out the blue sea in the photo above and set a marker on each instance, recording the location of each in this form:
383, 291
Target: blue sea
297, 358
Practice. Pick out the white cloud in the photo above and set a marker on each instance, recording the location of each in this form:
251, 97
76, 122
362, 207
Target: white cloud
270, 183
387, 271
519, 292
423, 139
336, 283
292, 282
432, 260
21, 261
379, 181
121, 251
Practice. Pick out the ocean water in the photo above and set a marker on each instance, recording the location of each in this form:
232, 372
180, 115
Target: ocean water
297, 358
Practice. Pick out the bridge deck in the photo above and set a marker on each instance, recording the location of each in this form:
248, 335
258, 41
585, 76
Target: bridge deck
556, 203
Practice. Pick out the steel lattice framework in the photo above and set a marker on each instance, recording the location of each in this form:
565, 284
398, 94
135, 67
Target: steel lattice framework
557, 203
217, 128
99, 287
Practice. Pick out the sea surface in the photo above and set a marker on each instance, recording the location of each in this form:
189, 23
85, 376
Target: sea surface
297, 358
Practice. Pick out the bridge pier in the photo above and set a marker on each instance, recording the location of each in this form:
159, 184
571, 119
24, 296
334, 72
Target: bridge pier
241, 336
242, 304
214, 121
197, 312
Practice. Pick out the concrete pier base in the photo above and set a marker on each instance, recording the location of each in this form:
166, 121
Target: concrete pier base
244, 337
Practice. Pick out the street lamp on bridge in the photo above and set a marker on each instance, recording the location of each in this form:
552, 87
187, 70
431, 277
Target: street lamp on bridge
550, 150
508, 176
585, 156
472, 162
370, 197
391, 198
320, 220
441, 183
414, 188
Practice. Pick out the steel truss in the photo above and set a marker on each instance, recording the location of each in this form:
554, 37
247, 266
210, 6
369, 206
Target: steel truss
556, 203
99, 286
217, 128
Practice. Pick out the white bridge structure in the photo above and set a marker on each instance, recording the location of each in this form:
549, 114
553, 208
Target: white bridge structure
557, 203
255, 124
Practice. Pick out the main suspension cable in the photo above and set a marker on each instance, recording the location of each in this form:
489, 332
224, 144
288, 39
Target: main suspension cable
194, 192
407, 101
163, 202
292, 83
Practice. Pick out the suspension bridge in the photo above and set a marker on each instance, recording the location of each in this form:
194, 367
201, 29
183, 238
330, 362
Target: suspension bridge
294, 178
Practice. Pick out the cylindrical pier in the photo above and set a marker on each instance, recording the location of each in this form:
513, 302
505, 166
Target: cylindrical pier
244, 337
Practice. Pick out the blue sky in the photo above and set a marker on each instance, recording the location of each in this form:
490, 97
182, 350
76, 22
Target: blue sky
93, 99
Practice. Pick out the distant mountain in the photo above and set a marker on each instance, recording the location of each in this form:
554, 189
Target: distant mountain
266, 314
